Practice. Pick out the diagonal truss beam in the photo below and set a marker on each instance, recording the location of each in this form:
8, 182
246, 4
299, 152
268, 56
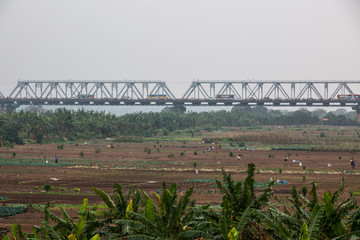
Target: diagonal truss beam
275, 91
196, 91
343, 88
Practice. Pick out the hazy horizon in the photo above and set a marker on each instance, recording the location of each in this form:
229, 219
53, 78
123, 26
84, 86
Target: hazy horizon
178, 41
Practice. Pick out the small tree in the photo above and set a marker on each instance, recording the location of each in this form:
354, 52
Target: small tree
81, 154
47, 187
13, 154
194, 164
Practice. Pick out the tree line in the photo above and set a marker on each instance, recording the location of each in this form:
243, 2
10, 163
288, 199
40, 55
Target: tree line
81, 124
243, 214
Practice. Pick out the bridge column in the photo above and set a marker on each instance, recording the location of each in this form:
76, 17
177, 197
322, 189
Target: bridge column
357, 109
5, 108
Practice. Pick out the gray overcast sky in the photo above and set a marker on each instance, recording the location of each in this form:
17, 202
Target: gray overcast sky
178, 41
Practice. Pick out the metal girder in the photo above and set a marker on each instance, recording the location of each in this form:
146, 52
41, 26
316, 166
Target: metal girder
98, 89
286, 90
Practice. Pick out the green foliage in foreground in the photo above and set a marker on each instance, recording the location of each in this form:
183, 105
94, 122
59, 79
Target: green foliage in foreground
242, 215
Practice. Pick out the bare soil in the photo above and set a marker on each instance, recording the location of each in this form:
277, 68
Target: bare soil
128, 164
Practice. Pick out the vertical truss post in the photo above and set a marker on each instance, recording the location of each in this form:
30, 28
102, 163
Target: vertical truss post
244, 90
326, 91
292, 91
212, 90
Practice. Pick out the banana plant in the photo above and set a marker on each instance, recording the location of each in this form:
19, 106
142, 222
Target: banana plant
240, 200
85, 228
64, 228
167, 217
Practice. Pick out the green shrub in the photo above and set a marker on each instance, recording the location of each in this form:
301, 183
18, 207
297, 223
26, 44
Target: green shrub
195, 153
356, 193
231, 154
61, 189
194, 164
76, 189
47, 187
13, 154
81, 154
98, 150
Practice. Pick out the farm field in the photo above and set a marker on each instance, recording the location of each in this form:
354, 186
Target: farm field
82, 165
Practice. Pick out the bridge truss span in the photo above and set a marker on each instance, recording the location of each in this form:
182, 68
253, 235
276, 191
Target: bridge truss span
263, 90
90, 89
200, 93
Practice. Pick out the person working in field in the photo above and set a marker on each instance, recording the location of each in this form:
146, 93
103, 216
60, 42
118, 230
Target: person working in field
352, 163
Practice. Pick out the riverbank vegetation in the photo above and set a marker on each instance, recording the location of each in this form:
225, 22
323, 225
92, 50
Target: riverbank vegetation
46, 126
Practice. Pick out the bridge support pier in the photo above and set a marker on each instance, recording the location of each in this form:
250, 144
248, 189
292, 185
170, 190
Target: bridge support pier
5, 108
357, 109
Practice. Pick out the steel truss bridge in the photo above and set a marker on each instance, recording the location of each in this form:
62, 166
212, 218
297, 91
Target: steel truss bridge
200, 93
